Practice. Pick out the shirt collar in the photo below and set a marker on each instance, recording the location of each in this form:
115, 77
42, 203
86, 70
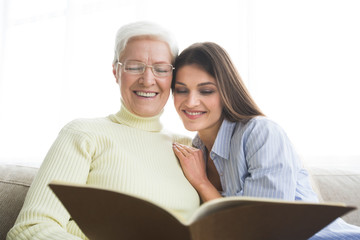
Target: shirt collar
222, 142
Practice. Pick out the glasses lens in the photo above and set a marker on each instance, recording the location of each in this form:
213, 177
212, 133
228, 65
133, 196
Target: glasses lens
134, 67
162, 70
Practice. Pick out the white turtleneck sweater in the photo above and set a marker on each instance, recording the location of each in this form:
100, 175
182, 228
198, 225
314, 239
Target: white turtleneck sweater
122, 152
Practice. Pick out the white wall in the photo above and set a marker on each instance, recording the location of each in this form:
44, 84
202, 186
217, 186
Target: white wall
305, 71
300, 60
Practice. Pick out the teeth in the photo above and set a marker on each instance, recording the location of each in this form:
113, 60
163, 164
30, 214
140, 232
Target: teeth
146, 94
193, 113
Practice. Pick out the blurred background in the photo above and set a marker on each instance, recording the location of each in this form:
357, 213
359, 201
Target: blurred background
299, 59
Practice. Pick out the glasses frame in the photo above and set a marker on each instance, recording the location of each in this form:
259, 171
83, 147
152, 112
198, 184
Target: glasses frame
148, 66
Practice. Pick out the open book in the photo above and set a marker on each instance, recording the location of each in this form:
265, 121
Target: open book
105, 214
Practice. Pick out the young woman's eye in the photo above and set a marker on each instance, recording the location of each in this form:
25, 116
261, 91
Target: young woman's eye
180, 90
207, 92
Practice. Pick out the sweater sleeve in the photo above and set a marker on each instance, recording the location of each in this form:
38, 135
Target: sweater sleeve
42, 215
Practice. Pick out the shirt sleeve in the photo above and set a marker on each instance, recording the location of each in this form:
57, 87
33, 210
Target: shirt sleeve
42, 215
272, 162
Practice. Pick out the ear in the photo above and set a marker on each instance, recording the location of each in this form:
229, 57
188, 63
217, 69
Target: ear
114, 72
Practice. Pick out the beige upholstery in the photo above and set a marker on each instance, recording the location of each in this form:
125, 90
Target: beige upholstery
14, 183
333, 185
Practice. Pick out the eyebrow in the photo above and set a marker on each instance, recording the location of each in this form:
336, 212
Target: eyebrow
199, 85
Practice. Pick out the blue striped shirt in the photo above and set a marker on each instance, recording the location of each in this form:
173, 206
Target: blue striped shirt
257, 159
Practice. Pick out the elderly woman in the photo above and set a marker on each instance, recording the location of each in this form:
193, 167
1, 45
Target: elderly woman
126, 151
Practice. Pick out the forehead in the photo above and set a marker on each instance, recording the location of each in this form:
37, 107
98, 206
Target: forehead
193, 75
147, 49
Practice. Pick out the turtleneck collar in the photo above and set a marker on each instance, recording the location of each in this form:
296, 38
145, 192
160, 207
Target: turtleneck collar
124, 116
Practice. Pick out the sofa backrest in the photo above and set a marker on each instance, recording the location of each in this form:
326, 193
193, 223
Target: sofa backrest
14, 184
338, 185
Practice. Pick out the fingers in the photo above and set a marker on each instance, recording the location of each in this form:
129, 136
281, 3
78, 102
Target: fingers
179, 151
183, 149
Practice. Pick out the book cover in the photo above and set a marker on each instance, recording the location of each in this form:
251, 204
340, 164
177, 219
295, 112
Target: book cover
106, 214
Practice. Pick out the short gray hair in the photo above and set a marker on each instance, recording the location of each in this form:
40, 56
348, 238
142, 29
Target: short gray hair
143, 29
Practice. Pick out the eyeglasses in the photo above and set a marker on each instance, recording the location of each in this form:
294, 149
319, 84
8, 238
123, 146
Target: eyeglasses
159, 70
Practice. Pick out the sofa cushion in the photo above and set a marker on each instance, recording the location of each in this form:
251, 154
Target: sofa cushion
336, 185
14, 184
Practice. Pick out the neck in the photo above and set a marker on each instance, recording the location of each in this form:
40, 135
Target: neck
208, 141
208, 136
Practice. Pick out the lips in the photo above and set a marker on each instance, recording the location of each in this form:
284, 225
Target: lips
145, 94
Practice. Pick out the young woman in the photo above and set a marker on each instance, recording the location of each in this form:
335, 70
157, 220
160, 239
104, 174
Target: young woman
237, 150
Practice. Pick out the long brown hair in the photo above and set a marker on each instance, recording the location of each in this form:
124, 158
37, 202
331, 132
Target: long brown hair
236, 99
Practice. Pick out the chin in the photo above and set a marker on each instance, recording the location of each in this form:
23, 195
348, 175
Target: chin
191, 127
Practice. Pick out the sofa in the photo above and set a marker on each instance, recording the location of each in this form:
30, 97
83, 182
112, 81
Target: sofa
331, 184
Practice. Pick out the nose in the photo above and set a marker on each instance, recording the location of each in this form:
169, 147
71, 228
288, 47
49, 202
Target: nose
192, 100
148, 77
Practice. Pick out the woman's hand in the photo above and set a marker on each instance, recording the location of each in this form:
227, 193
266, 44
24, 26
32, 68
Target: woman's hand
192, 164
194, 168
